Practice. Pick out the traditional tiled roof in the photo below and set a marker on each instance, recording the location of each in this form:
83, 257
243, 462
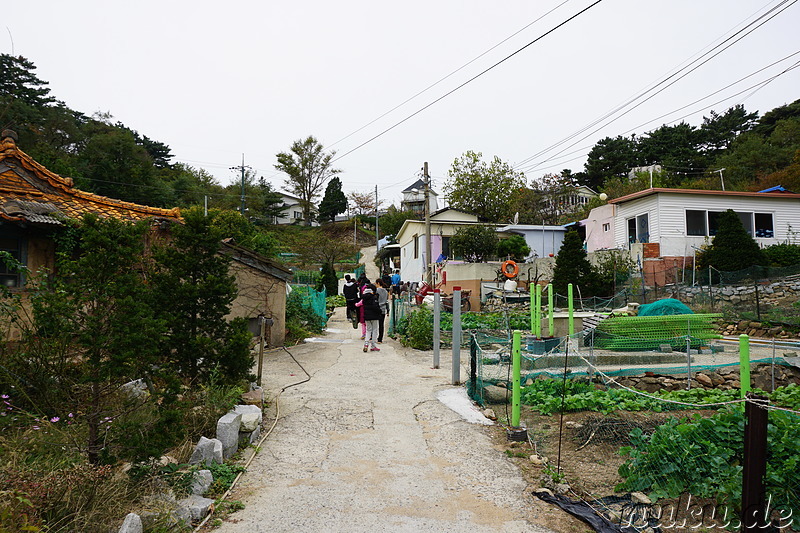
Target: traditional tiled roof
31, 193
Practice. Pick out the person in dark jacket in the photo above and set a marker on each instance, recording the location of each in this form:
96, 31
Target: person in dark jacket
383, 302
372, 314
350, 293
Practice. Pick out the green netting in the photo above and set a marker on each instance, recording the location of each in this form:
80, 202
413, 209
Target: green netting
667, 306
630, 333
314, 300
580, 355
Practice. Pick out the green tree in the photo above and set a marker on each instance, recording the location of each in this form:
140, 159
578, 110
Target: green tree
732, 248
482, 189
475, 243
95, 328
308, 167
112, 164
674, 147
514, 248
328, 280
193, 292
719, 130
334, 202
610, 157
391, 222
572, 266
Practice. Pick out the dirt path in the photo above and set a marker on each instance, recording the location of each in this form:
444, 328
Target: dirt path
365, 445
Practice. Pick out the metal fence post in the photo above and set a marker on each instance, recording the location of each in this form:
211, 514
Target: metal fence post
754, 510
456, 370
437, 317
472, 386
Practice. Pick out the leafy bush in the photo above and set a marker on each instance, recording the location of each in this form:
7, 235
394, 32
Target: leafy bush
224, 475
514, 248
783, 254
703, 457
418, 333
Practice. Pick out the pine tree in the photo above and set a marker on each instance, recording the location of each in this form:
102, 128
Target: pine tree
732, 248
572, 266
334, 202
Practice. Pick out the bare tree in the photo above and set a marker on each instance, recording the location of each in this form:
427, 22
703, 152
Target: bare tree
363, 203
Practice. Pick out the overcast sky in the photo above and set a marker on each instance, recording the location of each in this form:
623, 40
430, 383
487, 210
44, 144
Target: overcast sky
215, 80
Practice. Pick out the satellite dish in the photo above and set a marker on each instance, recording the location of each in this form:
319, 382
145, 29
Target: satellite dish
516, 217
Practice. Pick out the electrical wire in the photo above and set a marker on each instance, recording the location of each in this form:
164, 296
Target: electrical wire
415, 113
758, 86
440, 80
692, 66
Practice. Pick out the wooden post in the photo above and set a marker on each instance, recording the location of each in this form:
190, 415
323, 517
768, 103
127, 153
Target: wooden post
755, 465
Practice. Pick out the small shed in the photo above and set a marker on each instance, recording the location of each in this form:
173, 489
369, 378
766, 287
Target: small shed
262, 284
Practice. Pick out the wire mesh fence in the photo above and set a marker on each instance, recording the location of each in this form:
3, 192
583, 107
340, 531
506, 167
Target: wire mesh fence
651, 439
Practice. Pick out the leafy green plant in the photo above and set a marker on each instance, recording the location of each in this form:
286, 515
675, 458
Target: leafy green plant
703, 457
418, 332
224, 474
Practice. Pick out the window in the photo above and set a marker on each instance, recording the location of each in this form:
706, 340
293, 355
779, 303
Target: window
706, 223
764, 228
696, 223
446, 246
639, 229
10, 277
416, 246
606, 227
298, 215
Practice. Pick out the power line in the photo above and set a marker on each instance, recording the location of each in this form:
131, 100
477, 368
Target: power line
694, 66
440, 80
469, 80
757, 86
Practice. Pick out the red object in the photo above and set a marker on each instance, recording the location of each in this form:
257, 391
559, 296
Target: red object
456, 288
444, 278
551, 255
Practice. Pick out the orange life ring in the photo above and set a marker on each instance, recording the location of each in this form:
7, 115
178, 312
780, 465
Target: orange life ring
514, 269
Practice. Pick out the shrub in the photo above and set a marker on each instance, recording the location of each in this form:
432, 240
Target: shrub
783, 254
418, 333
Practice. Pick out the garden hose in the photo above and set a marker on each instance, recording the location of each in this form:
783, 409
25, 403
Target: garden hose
261, 440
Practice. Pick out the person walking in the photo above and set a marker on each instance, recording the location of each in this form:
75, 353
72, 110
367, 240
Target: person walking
383, 302
363, 283
372, 314
350, 293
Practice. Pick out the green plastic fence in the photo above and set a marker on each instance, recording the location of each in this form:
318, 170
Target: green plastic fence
314, 300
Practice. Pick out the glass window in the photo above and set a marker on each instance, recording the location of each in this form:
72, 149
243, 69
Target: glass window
446, 246
696, 223
713, 222
747, 222
416, 246
9, 276
764, 226
631, 230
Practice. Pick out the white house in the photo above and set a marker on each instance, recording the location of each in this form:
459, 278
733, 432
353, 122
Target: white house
543, 241
669, 225
414, 198
292, 210
411, 240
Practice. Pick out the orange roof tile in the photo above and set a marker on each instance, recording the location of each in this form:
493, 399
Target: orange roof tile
30, 192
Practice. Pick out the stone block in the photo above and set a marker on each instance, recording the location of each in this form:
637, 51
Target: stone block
132, 524
201, 481
198, 506
228, 433
665, 348
494, 394
251, 416
207, 451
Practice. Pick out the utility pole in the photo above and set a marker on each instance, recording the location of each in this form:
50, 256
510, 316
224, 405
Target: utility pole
428, 261
242, 169
377, 233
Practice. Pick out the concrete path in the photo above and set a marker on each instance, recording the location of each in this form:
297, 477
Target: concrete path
366, 446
